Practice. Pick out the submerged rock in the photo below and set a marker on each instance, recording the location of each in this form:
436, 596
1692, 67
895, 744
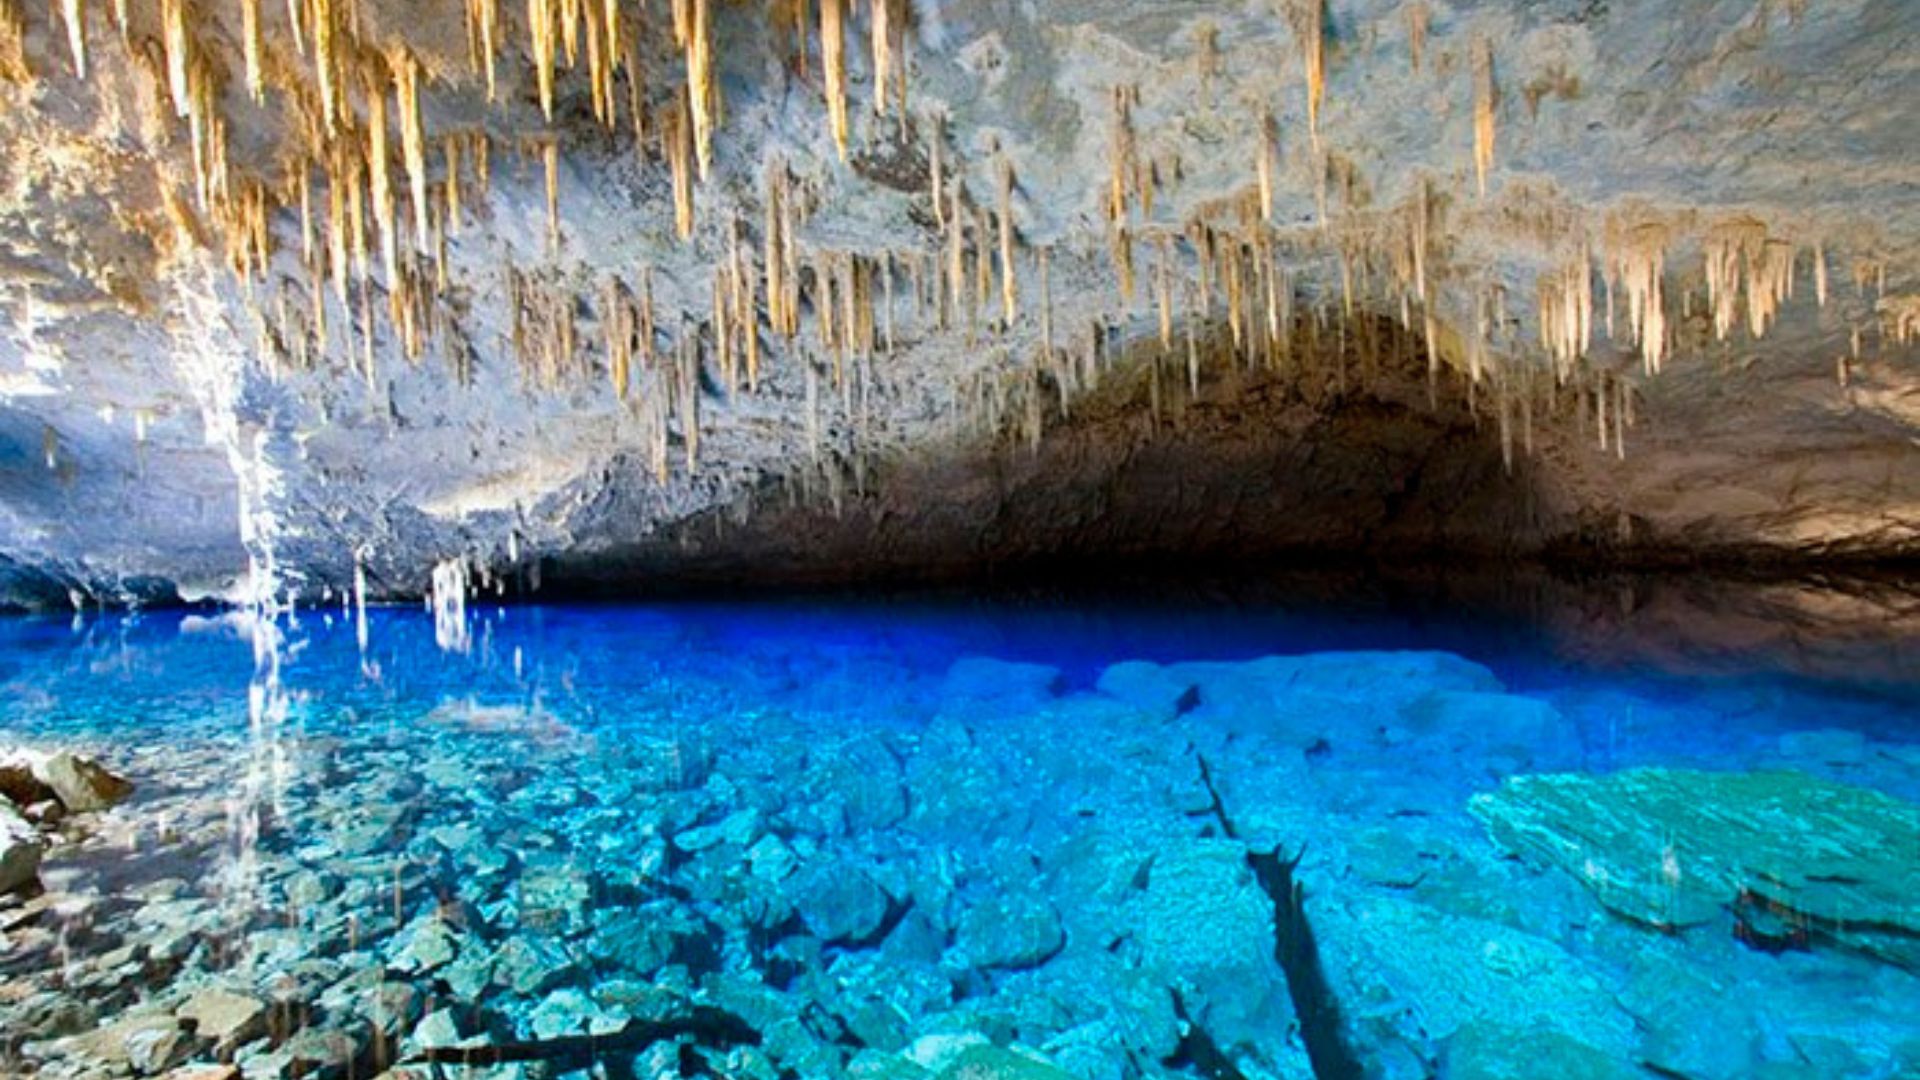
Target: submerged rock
20, 848
1017, 931
1001, 682
223, 1017
1676, 848
839, 904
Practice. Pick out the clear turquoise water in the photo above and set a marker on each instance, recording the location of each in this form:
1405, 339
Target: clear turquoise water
883, 864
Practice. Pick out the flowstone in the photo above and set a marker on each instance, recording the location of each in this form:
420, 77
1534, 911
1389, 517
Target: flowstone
1676, 848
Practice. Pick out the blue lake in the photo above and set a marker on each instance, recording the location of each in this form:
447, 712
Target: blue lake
1026, 836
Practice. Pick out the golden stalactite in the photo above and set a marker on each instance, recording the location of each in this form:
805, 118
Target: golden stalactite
483, 41
1485, 100
541, 16
374, 82
1566, 312
833, 57
1637, 261
678, 134
703, 88
549, 150
178, 42
252, 45
1307, 20
450, 152
887, 32
327, 63
1264, 157
1121, 152
413, 137
13, 44
296, 22
74, 14
1731, 247
570, 11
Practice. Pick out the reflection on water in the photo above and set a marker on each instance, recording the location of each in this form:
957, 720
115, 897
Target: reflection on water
1666, 826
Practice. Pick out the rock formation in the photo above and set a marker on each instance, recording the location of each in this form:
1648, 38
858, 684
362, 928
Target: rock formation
308, 297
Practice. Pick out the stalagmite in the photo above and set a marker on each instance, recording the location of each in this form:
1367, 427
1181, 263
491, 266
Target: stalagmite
833, 44
1485, 100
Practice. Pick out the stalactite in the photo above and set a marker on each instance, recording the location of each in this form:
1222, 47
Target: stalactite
1820, 274
1485, 100
252, 44
833, 44
1163, 291
450, 151
550, 167
679, 137
704, 91
540, 28
1418, 17
1566, 313
375, 82
1121, 152
1307, 20
74, 14
888, 26
1046, 307
1009, 303
413, 139
935, 153
1637, 255
1264, 161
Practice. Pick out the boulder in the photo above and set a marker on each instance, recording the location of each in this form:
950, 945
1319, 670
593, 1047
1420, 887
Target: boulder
224, 1018
19, 786
1676, 848
1013, 931
839, 903
20, 850
81, 784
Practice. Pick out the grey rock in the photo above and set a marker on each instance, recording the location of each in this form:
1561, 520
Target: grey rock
82, 784
530, 965
223, 1017
20, 850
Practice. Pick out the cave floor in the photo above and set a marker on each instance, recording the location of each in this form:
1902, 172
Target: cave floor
819, 838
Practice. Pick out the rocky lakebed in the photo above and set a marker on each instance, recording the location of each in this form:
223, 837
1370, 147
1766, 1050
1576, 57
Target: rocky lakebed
1380, 864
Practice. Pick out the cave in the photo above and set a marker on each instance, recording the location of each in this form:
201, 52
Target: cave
959, 539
